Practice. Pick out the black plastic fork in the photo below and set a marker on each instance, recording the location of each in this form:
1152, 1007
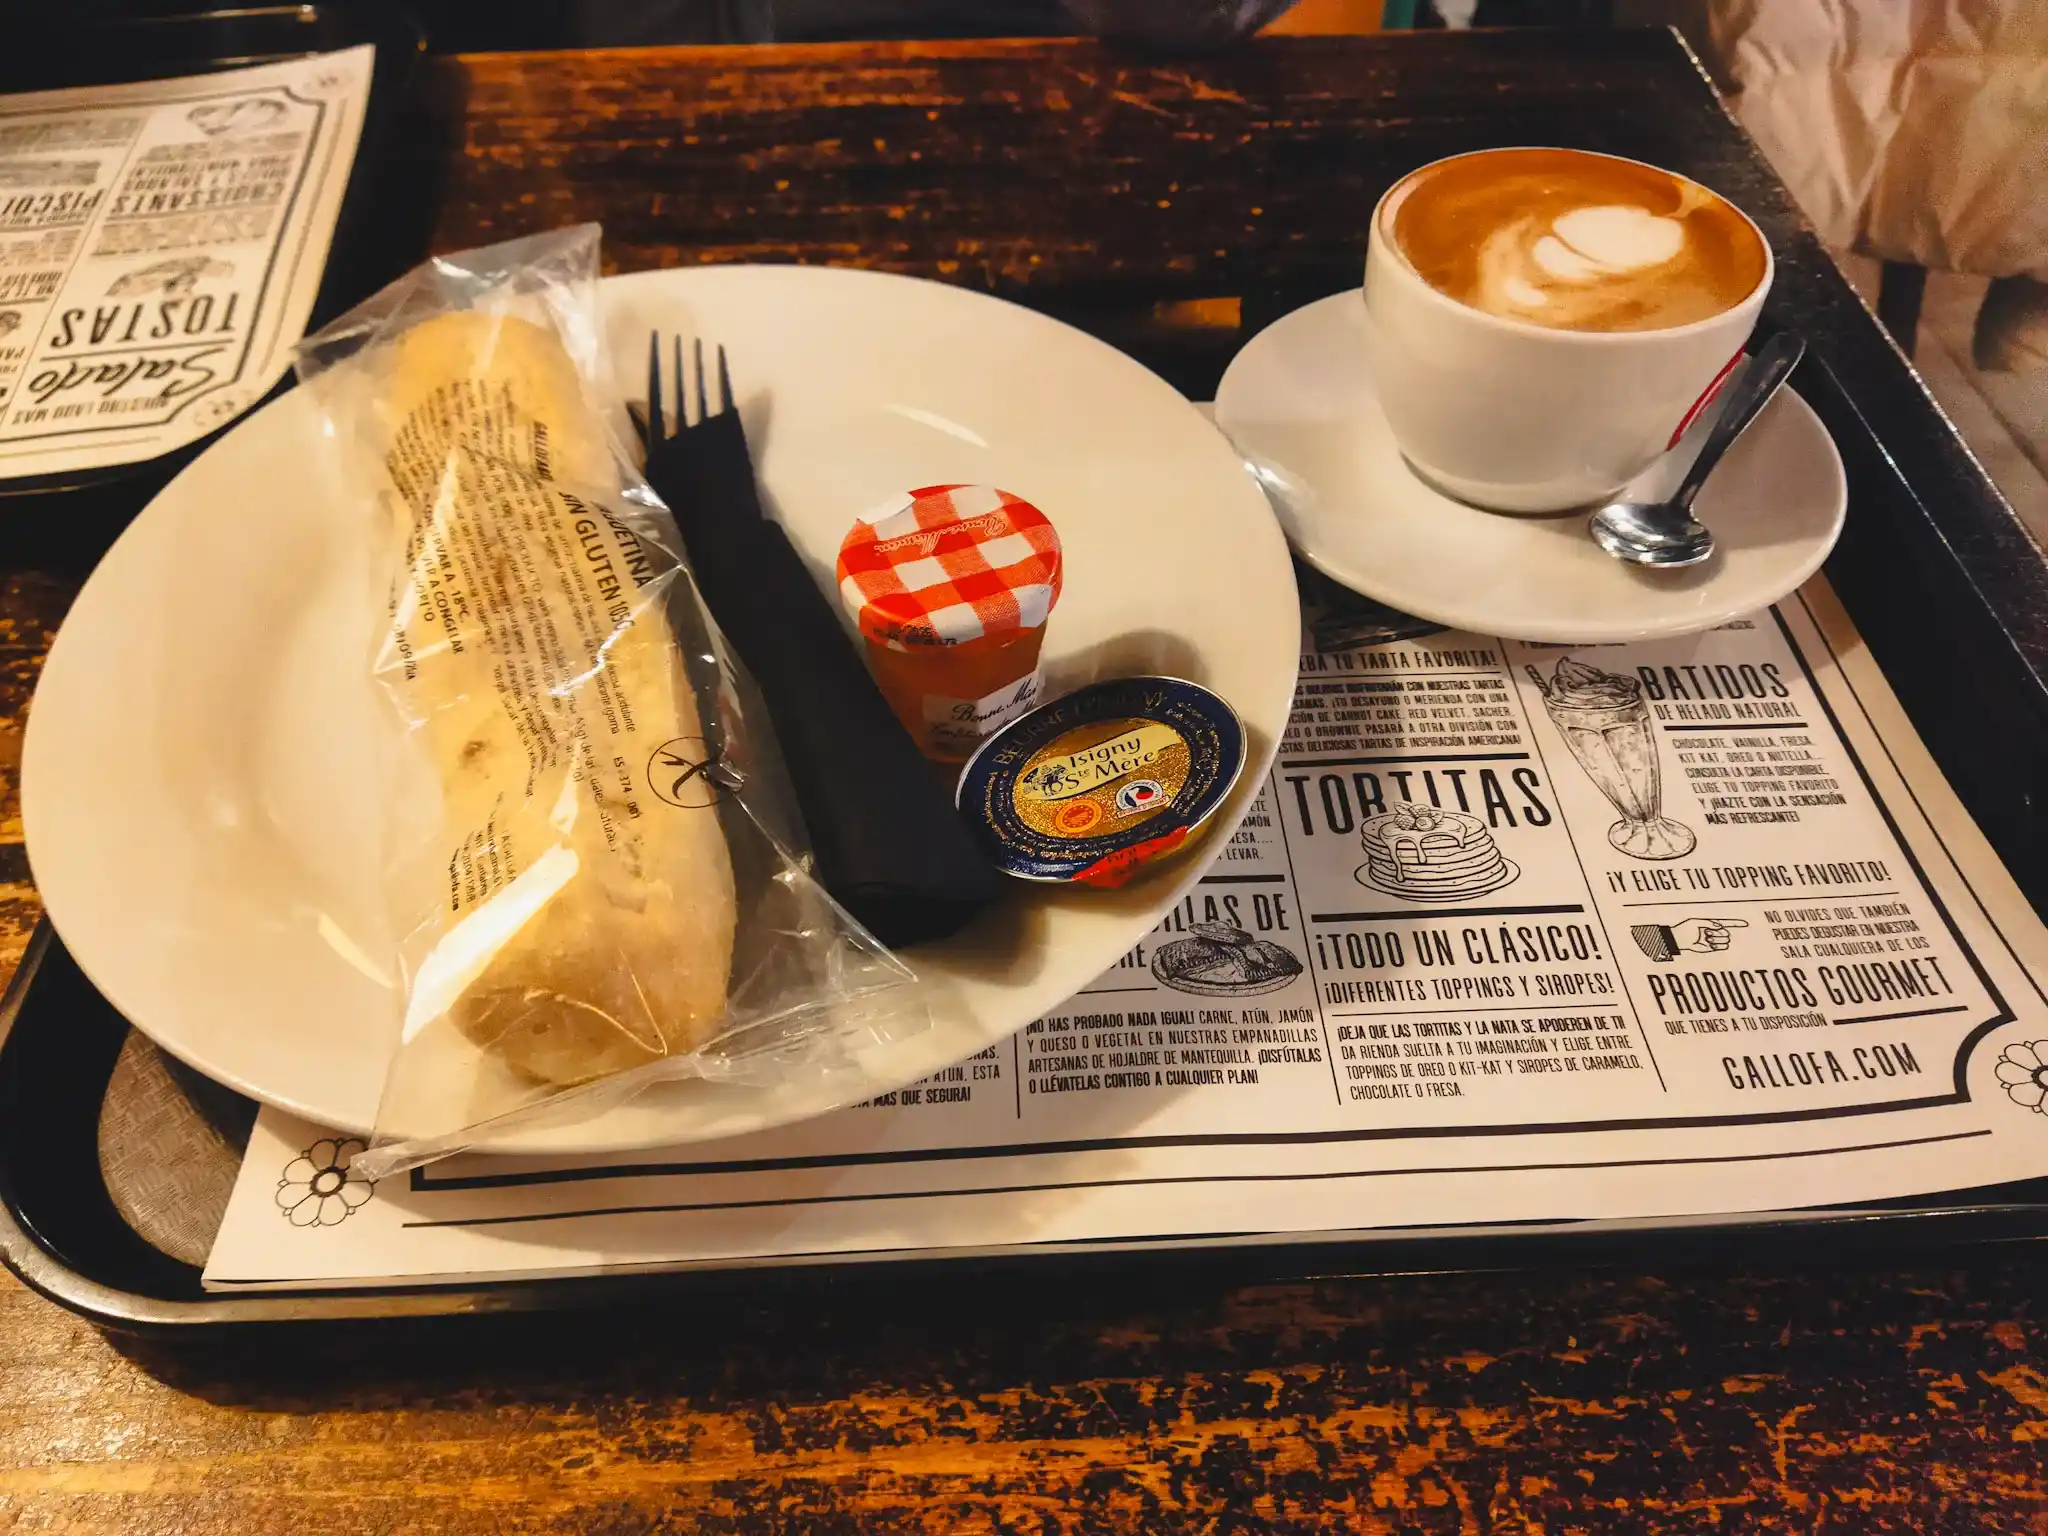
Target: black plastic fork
657, 416
884, 834
702, 467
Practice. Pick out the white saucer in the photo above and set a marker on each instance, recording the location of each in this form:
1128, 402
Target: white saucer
1299, 404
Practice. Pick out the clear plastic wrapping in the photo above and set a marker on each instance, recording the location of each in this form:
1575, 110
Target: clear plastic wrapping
588, 856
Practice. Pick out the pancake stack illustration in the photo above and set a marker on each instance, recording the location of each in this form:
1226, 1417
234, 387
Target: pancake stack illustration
1423, 853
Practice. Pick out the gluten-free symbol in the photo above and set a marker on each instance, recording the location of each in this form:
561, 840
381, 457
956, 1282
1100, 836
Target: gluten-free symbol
688, 772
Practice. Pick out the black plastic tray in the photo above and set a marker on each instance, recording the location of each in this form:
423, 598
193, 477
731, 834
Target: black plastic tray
60, 1231
54, 47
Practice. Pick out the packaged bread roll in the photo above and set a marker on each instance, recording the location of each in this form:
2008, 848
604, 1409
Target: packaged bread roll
576, 916
590, 863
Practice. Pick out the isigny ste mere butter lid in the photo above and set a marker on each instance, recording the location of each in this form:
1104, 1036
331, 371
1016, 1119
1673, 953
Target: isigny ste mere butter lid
1102, 780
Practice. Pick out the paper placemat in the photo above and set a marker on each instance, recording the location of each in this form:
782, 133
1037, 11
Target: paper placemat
1515, 933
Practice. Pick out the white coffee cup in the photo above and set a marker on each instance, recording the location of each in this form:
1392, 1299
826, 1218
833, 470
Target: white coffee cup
1520, 417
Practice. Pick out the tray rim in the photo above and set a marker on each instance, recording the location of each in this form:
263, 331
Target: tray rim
1977, 1219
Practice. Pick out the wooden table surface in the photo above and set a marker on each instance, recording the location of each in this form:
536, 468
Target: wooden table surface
1172, 206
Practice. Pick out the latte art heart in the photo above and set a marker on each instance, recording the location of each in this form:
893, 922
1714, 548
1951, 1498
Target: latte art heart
1588, 244
1574, 241
1578, 266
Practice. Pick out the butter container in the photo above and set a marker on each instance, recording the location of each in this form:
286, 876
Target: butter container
1102, 781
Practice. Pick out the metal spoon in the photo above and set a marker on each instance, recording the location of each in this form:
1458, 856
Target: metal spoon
1665, 533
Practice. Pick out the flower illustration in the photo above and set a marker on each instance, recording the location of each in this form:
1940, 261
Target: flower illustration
217, 409
319, 1188
2023, 1071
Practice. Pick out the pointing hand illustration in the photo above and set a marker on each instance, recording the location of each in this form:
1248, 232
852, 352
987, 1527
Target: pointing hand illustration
1704, 935
1692, 935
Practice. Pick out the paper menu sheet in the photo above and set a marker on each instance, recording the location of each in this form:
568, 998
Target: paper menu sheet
1686, 928
161, 244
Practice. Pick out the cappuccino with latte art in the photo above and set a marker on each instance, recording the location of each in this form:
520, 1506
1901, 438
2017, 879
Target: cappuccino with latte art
1574, 241
1542, 324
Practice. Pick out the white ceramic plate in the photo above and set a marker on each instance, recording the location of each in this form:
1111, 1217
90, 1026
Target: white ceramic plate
1298, 402
197, 775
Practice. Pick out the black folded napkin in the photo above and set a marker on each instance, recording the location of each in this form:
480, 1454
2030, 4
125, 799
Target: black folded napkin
887, 842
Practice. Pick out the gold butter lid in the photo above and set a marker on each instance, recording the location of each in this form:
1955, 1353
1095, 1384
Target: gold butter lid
1103, 780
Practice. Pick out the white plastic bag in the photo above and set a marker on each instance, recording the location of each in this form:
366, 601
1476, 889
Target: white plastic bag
587, 857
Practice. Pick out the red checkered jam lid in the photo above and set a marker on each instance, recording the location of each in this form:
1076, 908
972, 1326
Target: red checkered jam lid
950, 563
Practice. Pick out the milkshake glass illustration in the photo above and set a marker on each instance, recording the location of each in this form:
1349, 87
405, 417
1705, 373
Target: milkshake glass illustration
1605, 721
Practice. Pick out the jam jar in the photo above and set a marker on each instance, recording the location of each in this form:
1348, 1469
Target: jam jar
951, 588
